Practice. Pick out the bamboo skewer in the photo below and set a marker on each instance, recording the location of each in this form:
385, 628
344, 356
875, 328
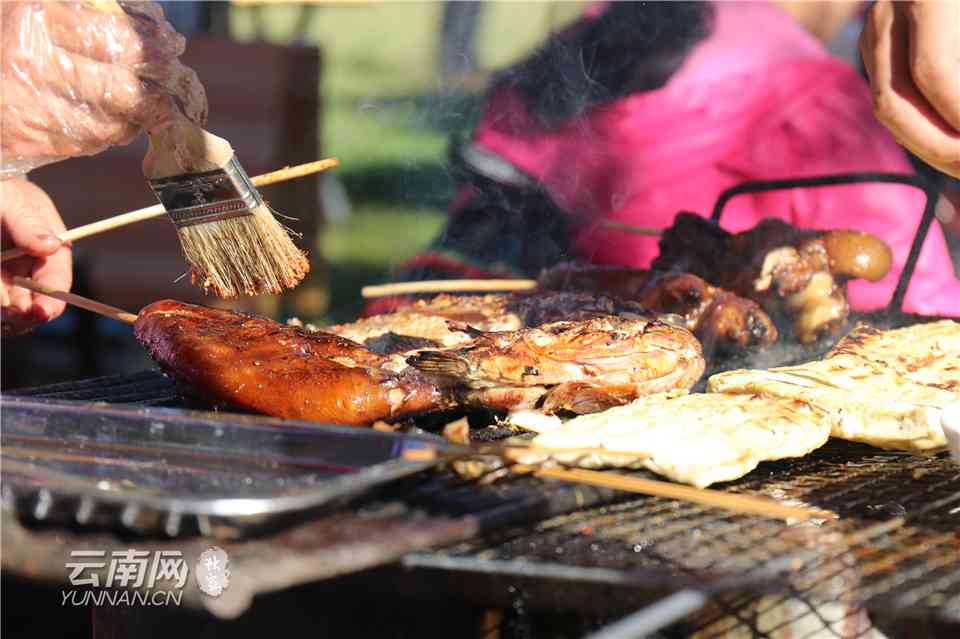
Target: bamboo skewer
629, 228
482, 285
715, 498
76, 300
746, 504
446, 286
157, 210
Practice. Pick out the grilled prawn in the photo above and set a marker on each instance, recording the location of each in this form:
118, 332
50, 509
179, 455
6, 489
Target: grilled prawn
578, 366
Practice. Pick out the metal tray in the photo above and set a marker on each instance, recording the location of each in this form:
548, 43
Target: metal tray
176, 472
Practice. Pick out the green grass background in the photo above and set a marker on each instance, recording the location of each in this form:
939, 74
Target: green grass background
386, 119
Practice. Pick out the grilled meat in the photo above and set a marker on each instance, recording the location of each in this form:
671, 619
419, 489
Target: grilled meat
259, 365
441, 319
546, 307
799, 276
696, 439
428, 319
721, 320
579, 366
889, 389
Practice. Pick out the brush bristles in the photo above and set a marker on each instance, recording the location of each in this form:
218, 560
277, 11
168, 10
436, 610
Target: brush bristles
247, 255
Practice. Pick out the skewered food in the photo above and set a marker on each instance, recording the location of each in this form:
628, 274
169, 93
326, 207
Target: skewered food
720, 319
579, 366
798, 276
697, 439
440, 318
889, 389
259, 365
428, 319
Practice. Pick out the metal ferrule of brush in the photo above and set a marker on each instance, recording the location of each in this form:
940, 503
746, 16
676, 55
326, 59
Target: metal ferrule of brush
210, 196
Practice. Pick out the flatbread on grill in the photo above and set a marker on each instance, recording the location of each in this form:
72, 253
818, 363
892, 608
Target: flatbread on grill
924, 353
884, 388
696, 439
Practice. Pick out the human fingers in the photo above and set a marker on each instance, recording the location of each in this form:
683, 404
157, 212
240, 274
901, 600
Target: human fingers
28, 218
14, 323
19, 300
935, 54
897, 102
56, 272
137, 34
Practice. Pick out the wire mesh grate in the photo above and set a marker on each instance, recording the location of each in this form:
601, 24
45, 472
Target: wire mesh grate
895, 547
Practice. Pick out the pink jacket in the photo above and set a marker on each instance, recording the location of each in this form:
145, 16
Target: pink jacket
759, 99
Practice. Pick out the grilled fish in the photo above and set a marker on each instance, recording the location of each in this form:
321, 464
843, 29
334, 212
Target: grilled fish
429, 319
578, 366
256, 364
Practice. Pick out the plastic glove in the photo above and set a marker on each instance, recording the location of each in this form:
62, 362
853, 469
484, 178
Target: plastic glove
912, 54
28, 219
78, 77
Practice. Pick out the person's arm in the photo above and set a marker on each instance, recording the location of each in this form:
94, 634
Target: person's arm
911, 51
75, 78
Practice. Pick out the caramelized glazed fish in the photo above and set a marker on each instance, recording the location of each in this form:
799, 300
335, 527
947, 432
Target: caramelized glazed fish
798, 276
579, 366
259, 365
721, 320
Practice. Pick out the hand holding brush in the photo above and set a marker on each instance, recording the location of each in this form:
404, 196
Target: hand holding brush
80, 77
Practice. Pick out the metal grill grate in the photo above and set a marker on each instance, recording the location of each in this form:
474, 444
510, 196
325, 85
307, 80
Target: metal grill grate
895, 548
147, 388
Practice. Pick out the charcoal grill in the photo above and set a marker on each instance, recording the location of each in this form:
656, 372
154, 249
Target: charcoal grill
523, 543
894, 551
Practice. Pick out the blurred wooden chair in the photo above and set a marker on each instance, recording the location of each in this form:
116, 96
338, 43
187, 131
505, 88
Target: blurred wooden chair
264, 99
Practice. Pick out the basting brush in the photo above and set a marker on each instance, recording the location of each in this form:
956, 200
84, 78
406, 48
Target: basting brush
157, 210
232, 242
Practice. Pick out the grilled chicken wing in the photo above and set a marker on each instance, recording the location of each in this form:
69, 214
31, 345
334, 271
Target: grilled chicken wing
579, 366
719, 318
799, 276
262, 366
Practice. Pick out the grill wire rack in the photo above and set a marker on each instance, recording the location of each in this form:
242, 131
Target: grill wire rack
894, 549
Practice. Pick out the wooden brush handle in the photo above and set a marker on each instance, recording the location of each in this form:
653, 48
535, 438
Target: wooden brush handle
182, 147
76, 300
446, 286
157, 210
